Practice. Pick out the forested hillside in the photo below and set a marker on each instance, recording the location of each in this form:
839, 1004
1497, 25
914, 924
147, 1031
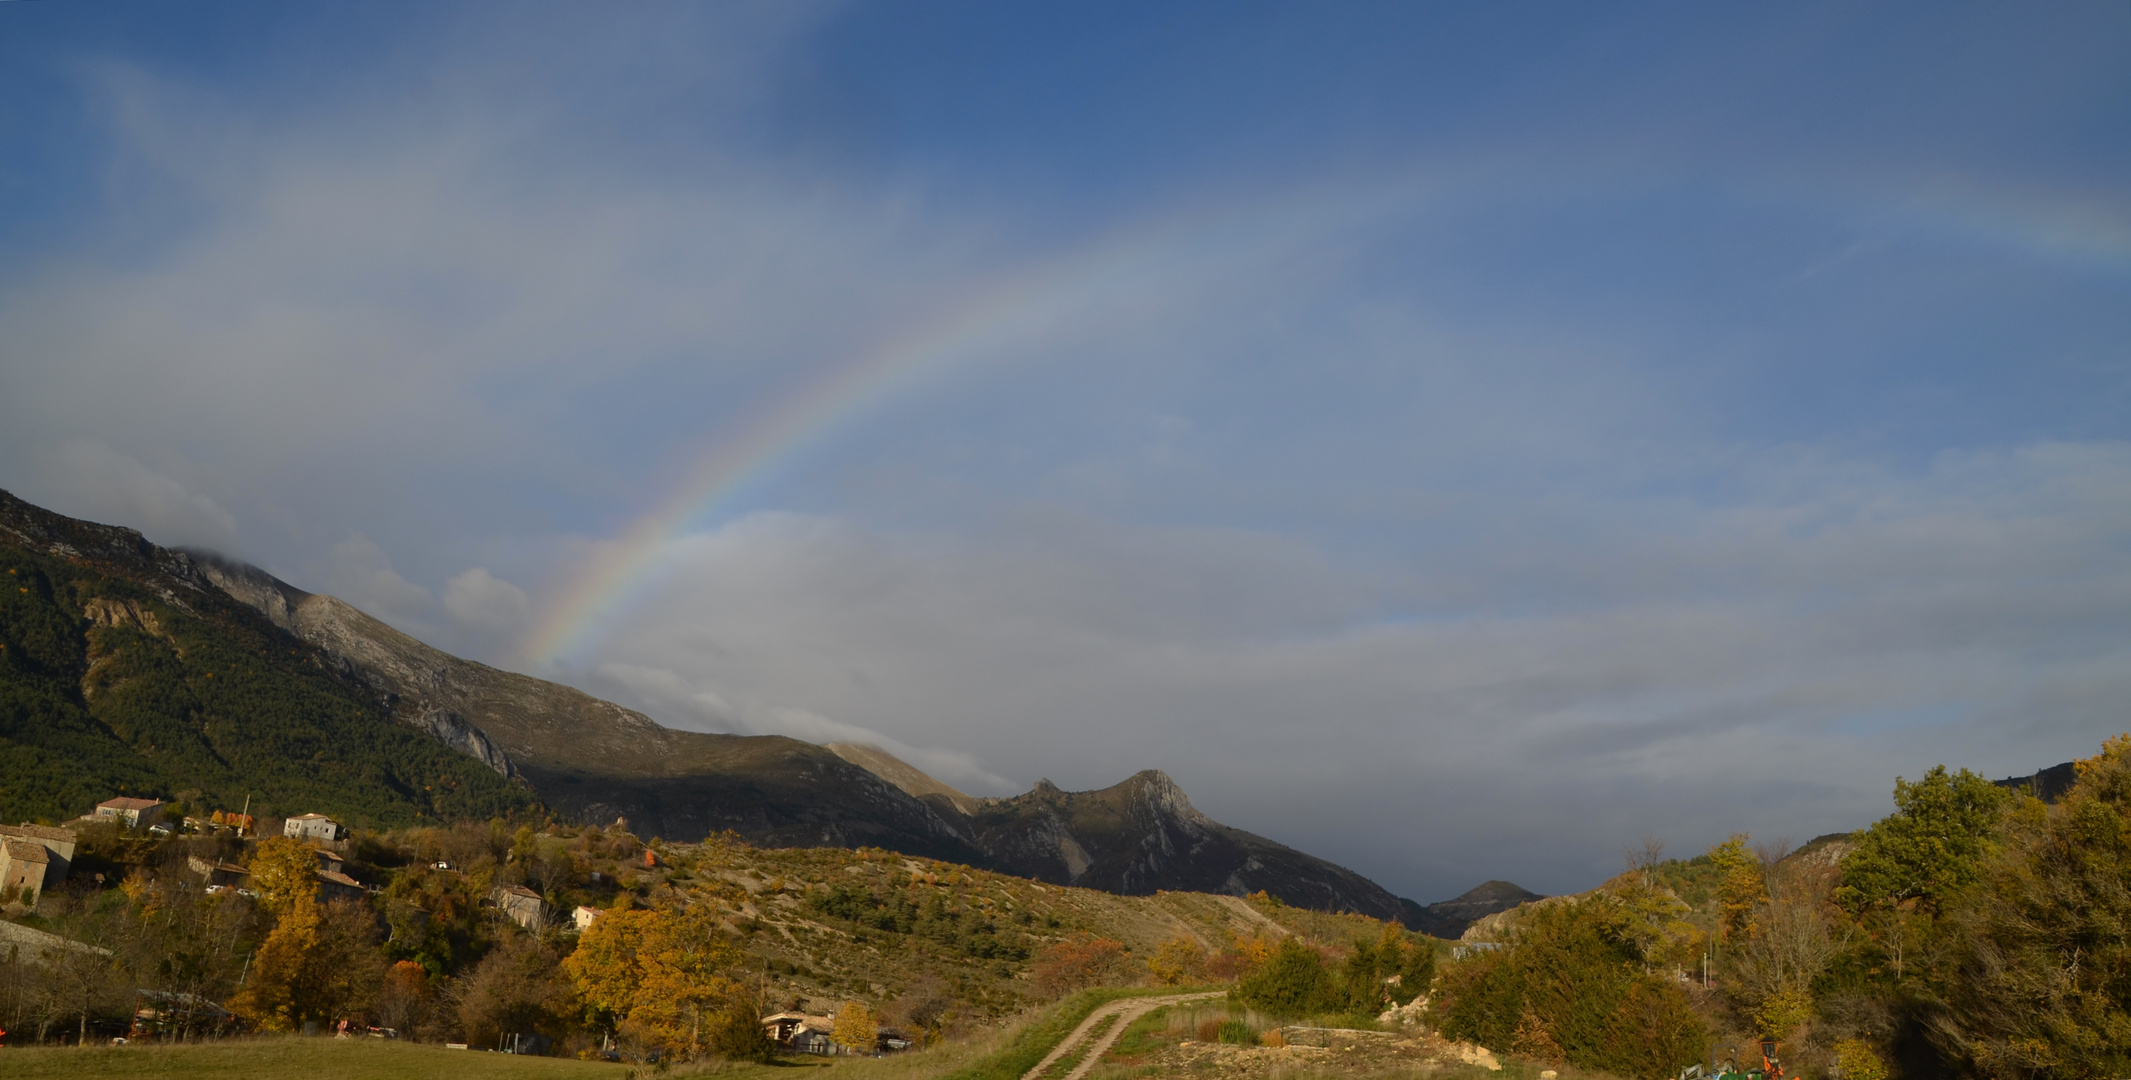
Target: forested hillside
123, 671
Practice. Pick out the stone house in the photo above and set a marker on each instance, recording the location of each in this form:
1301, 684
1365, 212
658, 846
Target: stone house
314, 827
334, 885
132, 813
58, 848
584, 917
522, 905
22, 867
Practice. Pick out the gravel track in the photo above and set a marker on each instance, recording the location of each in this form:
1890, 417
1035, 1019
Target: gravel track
1126, 1010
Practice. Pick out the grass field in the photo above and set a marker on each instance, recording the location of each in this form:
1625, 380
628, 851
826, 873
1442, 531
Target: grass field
289, 1059
1002, 1054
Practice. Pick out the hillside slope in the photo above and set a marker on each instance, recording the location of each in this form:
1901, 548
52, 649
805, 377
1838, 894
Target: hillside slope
593, 761
123, 669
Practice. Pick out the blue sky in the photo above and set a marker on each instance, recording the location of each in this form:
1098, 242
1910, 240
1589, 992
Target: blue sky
1544, 425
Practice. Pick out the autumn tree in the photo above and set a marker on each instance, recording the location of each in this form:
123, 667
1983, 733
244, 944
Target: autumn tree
1797, 932
856, 1029
282, 871
1739, 886
2043, 988
1567, 984
318, 962
517, 988
653, 975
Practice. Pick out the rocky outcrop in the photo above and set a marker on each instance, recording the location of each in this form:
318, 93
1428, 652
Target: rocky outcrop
452, 730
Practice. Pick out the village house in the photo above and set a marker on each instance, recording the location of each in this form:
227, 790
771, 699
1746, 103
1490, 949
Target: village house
22, 867
801, 1032
132, 813
584, 917
334, 885
314, 827
522, 905
58, 848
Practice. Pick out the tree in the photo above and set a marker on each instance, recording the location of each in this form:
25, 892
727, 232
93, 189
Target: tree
1739, 886
1567, 984
517, 988
1932, 846
2043, 990
1796, 934
283, 870
1394, 968
317, 963
655, 974
1291, 983
856, 1030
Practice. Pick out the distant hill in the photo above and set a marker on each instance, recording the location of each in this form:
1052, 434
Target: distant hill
124, 670
1449, 918
2049, 784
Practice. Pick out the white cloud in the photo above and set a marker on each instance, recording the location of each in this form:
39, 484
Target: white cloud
485, 601
358, 571
89, 478
676, 700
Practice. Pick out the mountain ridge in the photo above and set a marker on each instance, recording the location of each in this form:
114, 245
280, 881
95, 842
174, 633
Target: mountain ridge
593, 761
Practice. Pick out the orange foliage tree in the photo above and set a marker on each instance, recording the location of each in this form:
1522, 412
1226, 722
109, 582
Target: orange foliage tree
1081, 960
657, 977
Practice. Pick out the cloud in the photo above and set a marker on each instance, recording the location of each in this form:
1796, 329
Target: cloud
680, 702
91, 479
358, 571
482, 600
1767, 663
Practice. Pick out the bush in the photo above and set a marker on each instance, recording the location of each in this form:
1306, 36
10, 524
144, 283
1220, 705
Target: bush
1077, 962
1568, 985
1291, 983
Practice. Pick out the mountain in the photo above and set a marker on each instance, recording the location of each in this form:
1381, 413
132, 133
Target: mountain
125, 670
593, 761
322, 707
1449, 918
1143, 835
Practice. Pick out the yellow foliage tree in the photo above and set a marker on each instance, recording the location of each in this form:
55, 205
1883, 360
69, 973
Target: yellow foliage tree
856, 1029
1739, 887
273, 992
656, 975
282, 871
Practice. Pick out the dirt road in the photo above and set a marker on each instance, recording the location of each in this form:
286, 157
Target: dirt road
1125, 1010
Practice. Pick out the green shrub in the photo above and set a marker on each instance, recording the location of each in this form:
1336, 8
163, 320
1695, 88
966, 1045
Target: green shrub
1568, 984
1291, 983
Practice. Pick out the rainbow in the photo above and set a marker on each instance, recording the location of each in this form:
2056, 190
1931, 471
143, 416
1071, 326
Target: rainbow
621, 570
